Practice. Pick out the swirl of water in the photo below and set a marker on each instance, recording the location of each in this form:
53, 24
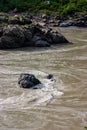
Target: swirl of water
45, 93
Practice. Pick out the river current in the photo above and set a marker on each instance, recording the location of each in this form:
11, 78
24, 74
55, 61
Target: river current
61, 104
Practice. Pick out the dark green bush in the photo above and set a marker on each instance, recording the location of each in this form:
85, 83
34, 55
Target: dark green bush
59, 6
69, 9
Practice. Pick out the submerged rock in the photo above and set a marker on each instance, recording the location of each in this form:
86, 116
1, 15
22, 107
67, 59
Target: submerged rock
28, 80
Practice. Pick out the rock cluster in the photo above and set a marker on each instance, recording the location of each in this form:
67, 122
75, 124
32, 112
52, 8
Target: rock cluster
14, 36
79, 20
27, 80
20, 20
13, 18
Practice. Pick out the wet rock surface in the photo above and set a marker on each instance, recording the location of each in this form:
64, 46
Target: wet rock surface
26, 30
13, 36
28, 81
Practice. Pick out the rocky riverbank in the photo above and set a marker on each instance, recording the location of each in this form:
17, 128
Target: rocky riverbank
18, 30
77, 19
14, 36
27, 30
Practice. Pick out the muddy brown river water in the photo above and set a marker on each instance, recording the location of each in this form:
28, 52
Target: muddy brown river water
60, 104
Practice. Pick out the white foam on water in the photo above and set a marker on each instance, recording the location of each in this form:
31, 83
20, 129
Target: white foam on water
45, 93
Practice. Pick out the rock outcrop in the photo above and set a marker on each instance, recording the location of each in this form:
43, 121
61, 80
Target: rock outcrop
14, 36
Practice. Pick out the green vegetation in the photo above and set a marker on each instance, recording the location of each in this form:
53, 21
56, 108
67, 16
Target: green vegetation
56, 6
85, 127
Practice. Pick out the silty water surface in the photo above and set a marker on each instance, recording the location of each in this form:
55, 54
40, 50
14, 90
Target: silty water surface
61, 104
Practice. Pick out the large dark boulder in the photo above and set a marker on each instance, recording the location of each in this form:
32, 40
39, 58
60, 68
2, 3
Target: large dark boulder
12, 37
39, 40
16, 32
48, 35
8, 42
55, 37
58, 38
28, 81
16, 36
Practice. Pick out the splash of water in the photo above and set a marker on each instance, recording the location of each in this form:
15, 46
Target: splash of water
33, 97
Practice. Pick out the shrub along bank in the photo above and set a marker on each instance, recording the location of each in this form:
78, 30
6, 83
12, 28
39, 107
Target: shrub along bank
51, 6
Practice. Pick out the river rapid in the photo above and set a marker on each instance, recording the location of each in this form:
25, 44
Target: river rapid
61, 104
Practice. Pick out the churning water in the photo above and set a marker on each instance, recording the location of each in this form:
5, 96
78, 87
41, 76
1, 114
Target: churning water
62, 103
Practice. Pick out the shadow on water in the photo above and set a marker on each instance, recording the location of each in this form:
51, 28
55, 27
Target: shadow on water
32, 49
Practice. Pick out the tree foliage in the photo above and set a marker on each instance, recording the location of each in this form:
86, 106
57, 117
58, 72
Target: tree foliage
59, 6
